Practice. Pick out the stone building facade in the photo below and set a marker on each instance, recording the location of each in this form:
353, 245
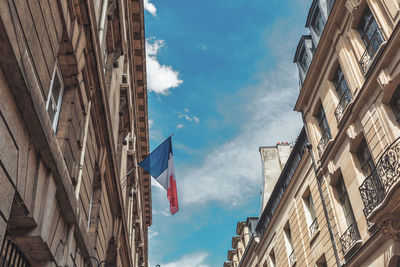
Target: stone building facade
73, 122
349, 70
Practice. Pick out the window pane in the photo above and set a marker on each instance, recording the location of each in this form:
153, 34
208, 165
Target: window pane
317, 22
364, 156
367, 26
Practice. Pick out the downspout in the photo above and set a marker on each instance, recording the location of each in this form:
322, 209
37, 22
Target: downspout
82, 158
321, 194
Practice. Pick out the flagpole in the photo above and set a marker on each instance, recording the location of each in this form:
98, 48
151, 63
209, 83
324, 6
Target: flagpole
131, 170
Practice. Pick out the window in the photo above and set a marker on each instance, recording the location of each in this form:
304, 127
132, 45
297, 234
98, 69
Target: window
367, 27
323, 123
271, 259
344, 201
287, 234
305, 60
311, 216
317, 23
342, 89
53, 104
351, 235
372, 37
343, 92
395, 104
365, 159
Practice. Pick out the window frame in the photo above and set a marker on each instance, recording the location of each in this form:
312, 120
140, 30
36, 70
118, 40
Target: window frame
323, 121
317, 21
341, 86
396, 106
365, 161
56, 72
369, 23
344, 201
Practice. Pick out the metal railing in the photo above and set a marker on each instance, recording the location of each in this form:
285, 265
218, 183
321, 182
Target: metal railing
292, 258
326, 136
11, 255
370, 51
314, 227
387, 172
349, 238
344, 101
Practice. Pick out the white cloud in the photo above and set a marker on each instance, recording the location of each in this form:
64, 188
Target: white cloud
179, 126
188, 116
160, 78
152, 233
191, 260
151, 123
150, 7
233, 170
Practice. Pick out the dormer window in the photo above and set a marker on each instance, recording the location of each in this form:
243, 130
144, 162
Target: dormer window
305, 60
303, 56
317, 23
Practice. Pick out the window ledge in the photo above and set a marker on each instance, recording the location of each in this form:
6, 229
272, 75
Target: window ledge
328, 145
312, 238
346, 113
351, 250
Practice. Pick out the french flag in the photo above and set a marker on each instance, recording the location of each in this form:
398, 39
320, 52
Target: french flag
160, 165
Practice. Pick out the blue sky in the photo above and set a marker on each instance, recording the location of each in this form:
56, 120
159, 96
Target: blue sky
221, 78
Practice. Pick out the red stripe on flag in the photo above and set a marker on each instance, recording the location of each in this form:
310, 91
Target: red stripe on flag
172, 194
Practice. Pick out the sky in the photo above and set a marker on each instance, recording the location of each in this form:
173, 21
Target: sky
221, 78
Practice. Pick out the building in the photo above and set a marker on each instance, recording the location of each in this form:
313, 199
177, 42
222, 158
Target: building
273, 159
73, 123
349, 70
349, 100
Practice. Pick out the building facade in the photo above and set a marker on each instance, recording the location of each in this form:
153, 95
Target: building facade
348, 176
73, 124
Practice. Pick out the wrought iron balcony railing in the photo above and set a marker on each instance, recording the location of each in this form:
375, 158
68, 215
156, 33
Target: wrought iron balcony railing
343, 103
11, 255
326, 136
292, 258
314, 227
349, 238
370, 51
387, 172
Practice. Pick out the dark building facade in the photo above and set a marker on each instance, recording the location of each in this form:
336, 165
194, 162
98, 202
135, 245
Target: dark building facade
73, 122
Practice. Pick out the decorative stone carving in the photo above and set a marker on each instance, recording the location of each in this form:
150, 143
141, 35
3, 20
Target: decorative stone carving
391, 228
384, 78
353, 5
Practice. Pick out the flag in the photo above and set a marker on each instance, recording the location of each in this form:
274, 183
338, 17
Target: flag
160, 165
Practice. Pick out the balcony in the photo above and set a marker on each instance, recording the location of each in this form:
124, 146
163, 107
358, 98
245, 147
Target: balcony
379, 183
349, 238
344, 101
314, 227
371, 51
326, 136
292, 258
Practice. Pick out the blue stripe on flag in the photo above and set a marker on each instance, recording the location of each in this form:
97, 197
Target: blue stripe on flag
157, 162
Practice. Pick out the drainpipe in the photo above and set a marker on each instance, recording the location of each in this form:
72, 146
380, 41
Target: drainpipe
82, 158
321, 194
